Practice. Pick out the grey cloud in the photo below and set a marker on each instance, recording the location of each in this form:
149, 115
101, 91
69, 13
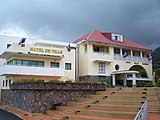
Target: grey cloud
66, 20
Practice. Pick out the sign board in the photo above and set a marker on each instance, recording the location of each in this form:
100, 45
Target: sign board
45, 50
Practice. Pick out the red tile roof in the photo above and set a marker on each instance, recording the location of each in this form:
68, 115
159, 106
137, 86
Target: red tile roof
104, 37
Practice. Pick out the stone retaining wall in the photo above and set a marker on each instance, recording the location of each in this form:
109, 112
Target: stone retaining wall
39, 97
95, 78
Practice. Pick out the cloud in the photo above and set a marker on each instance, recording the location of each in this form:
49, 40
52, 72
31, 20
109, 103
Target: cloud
66, 20
12, 30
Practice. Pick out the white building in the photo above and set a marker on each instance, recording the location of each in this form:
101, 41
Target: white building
36, 59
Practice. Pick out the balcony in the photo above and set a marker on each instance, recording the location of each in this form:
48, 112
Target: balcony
35, 71
132, 59
101, 56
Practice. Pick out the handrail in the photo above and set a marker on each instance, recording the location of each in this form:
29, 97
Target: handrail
142, 113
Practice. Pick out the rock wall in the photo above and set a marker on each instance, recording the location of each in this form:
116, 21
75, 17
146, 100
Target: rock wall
39, 97
95, 78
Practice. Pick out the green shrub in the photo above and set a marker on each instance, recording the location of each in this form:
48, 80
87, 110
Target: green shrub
55, 81
28, 81
68, 81
140, 84
149, 84
158, 83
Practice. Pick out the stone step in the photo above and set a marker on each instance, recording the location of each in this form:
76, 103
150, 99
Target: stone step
55, 114
65, 116
86, 117
106, 113
110, 98
154, 111
109, 102
122, 102
44, 117
112, 104
101, 107
114, 107
119, 95
125, 98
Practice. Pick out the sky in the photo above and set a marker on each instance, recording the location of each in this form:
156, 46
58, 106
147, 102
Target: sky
67, 20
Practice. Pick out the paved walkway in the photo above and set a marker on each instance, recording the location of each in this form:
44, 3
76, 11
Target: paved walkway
27, 116
22, 114
8, 116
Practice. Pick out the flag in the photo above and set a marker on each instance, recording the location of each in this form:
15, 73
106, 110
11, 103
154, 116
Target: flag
149, 56
125, 54
69, 48
22, 41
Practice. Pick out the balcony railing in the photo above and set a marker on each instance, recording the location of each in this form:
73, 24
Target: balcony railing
142, 114
139, 79
132, 59
24, 70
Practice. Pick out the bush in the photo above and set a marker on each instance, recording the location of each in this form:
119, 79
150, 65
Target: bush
108, 85
144, 84
149, 84
55, 81
158, 83
28, 81
140, 84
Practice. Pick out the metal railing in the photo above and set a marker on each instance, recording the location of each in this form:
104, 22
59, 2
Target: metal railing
142, 114
132, 59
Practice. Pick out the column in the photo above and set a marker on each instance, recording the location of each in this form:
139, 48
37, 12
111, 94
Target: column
125, 80
121, 53
134, 79
154, 78
131, 53
141, 55
113, 80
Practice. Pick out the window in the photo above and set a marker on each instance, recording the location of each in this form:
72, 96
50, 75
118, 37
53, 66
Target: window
98, 48
18, 62
101, 68
67, 66
85, 48
103, 49
3, 83
26, 63
10, 82
54, 64
136, 53
117, 67
10, 62
6, 83
117, 37
116, 50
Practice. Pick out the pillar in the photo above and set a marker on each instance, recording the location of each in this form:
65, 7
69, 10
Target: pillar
113, 79
154, 79
141, 55
125, 80
133, 79
131, 53
121, 52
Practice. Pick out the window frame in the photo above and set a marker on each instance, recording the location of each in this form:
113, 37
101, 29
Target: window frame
102, 68
68, 66
56, 65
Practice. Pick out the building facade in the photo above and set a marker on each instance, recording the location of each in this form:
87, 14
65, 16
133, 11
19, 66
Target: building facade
96, 56
28, 59
113, 58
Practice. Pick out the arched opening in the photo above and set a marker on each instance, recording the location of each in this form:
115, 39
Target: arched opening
142, 72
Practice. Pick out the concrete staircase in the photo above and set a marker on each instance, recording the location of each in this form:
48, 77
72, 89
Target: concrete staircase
112, 104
